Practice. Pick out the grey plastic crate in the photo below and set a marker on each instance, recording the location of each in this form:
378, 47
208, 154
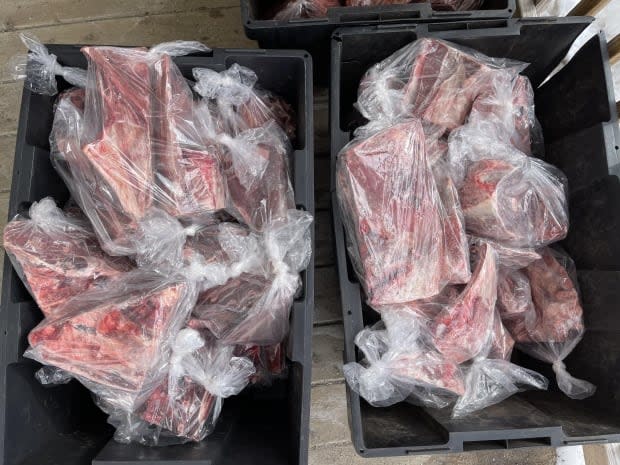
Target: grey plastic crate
44, 425
314, 34
577, 112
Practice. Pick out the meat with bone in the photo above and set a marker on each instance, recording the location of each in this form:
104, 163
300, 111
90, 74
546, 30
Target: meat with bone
116, 340
551, 328
430, 79
399, 365
201, 374
118, 125
506, 196
460, 330
58, 256
239, 103
403, 240
189, 173
508, 102
257, 173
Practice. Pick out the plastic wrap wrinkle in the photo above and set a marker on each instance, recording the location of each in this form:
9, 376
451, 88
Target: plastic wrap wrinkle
551, 327
405, 243
58, 257
506, 196
115, 341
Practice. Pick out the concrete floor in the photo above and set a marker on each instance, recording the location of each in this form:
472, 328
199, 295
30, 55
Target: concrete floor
217, 24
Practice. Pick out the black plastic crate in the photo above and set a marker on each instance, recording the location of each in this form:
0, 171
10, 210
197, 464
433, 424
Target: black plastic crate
61, 424
577, 112
314, 34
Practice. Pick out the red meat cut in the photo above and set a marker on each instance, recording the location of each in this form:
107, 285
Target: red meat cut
188, 172
257, 173
404, 240
118, 124
187, 415
558, 316
461, 330
508, 197
57, 256
113, 343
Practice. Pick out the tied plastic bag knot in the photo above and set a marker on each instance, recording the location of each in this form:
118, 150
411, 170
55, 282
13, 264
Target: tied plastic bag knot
233, 85
574, 388
39, 68
191, 230
372, 383
206, 275
186, 342
247, 163
177, 48
160, 241
46, 214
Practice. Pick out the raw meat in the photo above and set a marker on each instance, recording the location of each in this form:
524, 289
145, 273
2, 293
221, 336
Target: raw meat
186, 415
88, 188
559, 316
460, 331
305, 9
269, 361
188, 171
502, 342
507, 101
58, 256
256, 169
404, 241
397, 365
514, 299
225, 310
116, 340
202, 373
119, 124
431, 79
238, 104
551, 328
506, 196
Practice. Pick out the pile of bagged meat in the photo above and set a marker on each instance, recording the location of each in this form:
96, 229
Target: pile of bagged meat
166, 283
449, 218
292, 9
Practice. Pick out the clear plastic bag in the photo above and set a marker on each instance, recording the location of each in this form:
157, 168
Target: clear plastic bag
254, 308
461, 329
506, 196
58, 256
269, 361
431, 79
117, 341
39, 68
188, 164
508, 102
405, 242
400, 364
222, 252
293, 9
551, 327
240, 103
256, 169
135, 144
188, 402
491, 378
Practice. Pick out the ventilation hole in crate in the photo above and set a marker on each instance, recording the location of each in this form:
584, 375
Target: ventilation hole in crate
509, 11
616, 147
349, 312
